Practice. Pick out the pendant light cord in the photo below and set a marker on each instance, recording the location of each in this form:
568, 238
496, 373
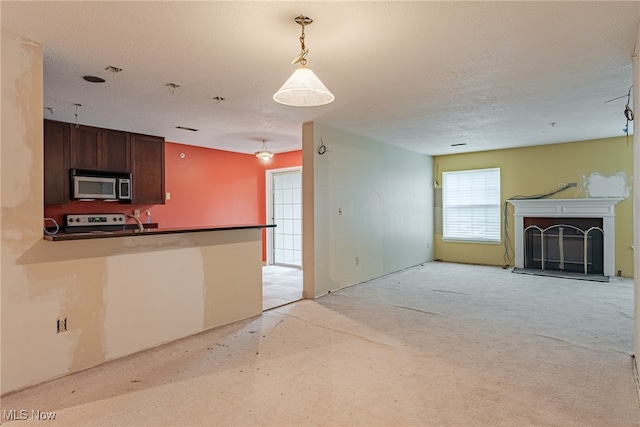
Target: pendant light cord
303, 54
77, 105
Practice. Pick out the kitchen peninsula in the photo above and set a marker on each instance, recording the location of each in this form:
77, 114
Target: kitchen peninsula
123, 292
160, 284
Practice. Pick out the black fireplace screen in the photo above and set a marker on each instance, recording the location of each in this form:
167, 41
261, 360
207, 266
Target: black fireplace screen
564, 247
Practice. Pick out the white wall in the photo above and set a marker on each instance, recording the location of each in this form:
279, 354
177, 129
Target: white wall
120, 295
366, 200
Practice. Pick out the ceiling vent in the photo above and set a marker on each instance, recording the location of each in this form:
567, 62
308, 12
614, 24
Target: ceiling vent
186, 128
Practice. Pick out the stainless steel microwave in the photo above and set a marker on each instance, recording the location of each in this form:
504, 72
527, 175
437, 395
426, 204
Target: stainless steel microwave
100, 186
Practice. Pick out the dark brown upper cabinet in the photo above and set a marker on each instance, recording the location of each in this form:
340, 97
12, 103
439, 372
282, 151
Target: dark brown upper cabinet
116, 150
147, 171
56, 162
95, 149
100, 149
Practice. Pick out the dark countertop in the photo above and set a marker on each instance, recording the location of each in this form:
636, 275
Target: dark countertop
147, 231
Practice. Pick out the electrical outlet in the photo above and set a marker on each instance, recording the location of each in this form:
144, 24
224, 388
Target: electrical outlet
136, 213
61, 324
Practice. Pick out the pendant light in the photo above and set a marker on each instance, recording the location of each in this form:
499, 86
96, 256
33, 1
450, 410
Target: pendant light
264, 154
303, 88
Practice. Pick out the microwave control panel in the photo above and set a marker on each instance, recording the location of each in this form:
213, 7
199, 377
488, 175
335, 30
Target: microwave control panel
92, 220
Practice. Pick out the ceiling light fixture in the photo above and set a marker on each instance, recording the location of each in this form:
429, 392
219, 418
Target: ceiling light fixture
264, 154
303, 88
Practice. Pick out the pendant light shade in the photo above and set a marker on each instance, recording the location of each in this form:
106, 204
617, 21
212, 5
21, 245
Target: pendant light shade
303, 89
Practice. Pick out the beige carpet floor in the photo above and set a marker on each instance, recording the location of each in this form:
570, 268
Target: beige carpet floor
434, 345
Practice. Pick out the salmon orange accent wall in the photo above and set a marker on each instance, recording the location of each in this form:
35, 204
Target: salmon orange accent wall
208, 187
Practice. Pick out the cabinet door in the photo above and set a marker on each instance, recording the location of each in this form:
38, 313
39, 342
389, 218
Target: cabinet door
147, 169
116, 151
86, 149
56, 162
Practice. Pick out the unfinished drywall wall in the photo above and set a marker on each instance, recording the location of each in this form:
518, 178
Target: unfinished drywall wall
130, 325
372, 207
599, 167
22, 215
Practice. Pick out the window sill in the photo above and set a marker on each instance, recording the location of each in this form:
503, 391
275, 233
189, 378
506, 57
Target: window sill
482, 242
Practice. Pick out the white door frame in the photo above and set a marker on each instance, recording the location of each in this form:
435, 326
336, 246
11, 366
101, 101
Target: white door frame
269, 201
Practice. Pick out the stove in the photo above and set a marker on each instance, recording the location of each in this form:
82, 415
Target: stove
83, 223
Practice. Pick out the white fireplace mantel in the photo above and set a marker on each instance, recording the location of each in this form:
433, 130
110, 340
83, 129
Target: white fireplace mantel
568, 208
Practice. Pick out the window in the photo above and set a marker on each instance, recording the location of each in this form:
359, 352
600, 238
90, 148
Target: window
471, 205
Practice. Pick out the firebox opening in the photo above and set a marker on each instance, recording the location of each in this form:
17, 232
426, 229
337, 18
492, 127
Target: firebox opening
572, 245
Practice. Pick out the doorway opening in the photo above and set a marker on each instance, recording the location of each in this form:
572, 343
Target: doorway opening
282, 276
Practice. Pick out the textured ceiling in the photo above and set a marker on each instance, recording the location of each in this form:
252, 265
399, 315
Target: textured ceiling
420, 75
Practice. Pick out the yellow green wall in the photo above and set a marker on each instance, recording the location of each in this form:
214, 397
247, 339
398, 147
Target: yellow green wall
536, 170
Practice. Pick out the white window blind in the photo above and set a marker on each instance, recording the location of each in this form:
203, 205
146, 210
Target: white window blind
471, 205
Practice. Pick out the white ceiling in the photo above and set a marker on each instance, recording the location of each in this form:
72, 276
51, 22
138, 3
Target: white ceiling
419, 75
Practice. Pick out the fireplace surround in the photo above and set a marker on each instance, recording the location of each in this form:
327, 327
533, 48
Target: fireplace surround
601, 209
